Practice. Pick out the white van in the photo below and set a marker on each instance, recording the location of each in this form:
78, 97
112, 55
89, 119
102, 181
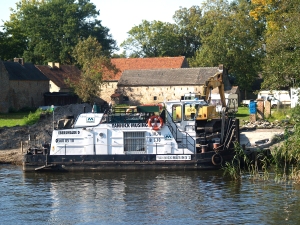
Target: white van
276, 97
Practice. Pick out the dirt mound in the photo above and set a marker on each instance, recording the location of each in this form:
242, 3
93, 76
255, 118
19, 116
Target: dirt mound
12, 156
11, 138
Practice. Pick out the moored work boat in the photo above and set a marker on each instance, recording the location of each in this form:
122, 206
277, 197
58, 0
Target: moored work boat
185, 134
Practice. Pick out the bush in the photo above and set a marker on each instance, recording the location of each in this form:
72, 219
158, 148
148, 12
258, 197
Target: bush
32, 118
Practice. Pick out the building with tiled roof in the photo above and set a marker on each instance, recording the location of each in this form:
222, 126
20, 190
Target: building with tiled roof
22, 85
147, 63
123, 64
158, 85
59, 90
58, 74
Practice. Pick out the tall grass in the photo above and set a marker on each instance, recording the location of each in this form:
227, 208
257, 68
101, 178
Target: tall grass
286, 157
254, 165
284, 160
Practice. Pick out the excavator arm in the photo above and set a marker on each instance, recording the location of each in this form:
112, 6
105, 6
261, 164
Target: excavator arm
213, 82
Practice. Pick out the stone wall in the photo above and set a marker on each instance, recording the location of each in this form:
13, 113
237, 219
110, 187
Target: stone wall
107, 89
4, 87
156, 94
147, 94
26, 93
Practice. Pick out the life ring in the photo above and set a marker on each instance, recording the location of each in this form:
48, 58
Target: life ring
156, 122
217, 159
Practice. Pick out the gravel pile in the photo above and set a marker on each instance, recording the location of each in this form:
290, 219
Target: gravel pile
11, 138
262, 124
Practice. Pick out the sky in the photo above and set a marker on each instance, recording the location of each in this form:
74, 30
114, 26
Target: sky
121, 15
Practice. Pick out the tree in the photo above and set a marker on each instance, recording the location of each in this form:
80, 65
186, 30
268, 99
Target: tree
52, 28
232, 38
11, 46
121, 55
189, 22
281, 65
153, 39
95, 65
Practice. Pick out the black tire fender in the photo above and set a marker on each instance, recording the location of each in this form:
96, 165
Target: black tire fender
217, 159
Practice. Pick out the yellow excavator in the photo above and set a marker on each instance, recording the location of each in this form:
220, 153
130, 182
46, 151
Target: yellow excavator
211, 124
209, 111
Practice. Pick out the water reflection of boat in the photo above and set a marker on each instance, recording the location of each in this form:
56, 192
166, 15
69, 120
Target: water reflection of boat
183, 134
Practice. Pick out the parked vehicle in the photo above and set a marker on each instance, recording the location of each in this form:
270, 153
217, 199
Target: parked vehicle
277, 97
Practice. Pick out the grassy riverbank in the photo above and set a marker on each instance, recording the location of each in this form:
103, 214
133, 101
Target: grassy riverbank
284, 160
19, 118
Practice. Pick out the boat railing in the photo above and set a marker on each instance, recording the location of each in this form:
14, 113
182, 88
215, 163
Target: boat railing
184, 139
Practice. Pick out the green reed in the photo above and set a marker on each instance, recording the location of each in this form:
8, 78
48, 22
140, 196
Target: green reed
253, 165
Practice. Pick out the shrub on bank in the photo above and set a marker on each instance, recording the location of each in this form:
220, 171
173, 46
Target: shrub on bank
284, 160
20, 118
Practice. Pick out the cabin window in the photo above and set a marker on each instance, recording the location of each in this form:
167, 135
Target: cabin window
176, 113
134, 142
189, 111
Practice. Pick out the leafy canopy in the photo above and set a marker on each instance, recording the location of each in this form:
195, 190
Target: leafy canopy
48, 30
152, 39
95, 65
282, 40
230, 37
159, 39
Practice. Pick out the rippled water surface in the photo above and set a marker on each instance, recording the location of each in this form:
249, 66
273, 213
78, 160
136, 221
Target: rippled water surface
143, 198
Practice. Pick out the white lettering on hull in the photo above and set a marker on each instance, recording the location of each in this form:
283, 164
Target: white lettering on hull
173, 157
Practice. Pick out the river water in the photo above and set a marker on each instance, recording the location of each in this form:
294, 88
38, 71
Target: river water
196, 197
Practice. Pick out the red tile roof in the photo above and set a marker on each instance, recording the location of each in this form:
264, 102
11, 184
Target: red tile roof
145, 63
59, 75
